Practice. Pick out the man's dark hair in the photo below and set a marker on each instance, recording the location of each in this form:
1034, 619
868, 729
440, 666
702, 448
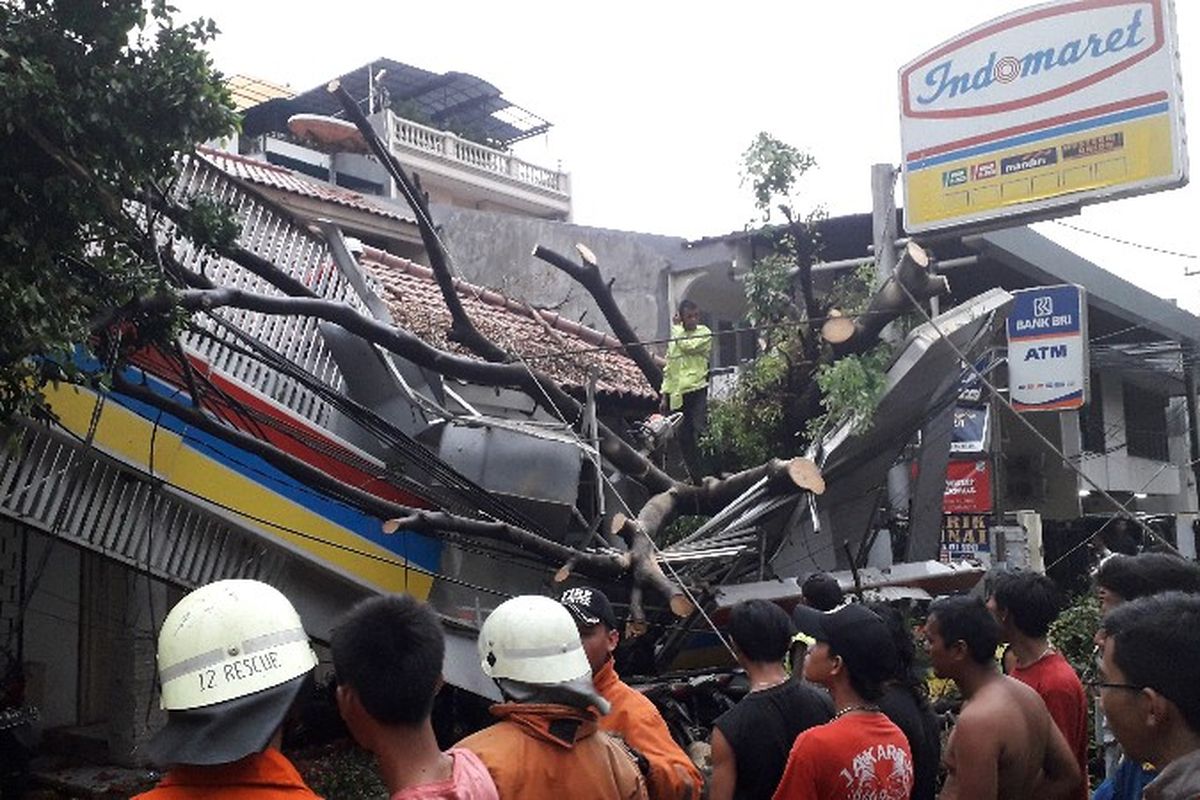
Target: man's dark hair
905, 676
686, 306
761, 630
821, 591
1031, 599
906, 651
967, 619
390, 650
867, 687
1156, 643
1148, 573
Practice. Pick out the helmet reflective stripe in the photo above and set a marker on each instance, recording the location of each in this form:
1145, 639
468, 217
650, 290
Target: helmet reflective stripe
230, 639
213, 657
538, 652
532, 639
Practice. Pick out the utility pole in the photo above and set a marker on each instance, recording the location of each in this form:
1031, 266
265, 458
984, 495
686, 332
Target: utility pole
883, 219
1191, 354
883, 234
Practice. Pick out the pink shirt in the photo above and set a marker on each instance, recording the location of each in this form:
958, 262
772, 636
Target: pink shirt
469, 780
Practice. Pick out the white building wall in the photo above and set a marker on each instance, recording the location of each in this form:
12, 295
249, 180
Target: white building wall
1117, 471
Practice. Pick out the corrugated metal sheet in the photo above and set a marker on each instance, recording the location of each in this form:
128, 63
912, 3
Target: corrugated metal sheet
270, 233
59, 486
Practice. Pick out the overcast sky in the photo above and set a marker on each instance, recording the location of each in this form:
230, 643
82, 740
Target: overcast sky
654, 102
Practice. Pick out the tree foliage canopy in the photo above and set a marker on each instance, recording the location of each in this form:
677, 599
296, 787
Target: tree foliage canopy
796, 387
97, 99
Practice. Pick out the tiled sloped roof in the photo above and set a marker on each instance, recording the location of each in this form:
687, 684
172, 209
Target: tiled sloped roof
412, 294
286, 180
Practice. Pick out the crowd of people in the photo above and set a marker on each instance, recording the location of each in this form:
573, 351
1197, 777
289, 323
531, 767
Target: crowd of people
835, 706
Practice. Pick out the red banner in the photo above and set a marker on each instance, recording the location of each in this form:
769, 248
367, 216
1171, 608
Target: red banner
968, 487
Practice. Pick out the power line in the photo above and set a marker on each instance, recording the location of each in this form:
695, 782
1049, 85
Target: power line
1032, 428
1106, 237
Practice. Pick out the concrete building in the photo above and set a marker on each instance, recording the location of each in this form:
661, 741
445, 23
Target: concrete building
456, 131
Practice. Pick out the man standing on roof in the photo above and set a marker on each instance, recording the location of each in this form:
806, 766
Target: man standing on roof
672, 774
685, 381
546, 745
232, 659
860, 753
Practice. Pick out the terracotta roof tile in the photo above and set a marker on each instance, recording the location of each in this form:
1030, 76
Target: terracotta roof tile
416, 304
286, 180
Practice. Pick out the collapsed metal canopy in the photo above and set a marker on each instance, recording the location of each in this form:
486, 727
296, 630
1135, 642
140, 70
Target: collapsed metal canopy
453, 101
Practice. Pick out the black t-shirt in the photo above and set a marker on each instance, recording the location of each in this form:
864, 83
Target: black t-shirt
920, 727
761, 729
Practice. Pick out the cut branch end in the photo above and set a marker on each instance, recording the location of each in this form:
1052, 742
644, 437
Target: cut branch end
837, 328
681, 606
806, 474
586, 254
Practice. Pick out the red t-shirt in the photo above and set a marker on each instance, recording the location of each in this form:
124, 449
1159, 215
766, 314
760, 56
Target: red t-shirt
1055, 680
857, 757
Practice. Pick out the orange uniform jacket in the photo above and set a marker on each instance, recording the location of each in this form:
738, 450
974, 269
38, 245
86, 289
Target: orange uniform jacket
673, 776
263, 776
550, 752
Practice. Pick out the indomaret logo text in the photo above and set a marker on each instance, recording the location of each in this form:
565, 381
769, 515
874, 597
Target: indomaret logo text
949, 79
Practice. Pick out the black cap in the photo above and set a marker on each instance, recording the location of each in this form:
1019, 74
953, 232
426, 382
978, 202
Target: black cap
855, 633
589, 606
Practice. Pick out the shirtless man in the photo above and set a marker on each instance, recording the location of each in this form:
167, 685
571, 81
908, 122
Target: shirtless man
1004, 744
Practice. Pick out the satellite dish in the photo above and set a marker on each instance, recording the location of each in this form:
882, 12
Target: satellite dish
329, 134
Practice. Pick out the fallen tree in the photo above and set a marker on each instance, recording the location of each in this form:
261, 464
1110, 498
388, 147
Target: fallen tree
143, 312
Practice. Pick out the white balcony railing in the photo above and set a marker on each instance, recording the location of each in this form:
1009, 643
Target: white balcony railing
412, 135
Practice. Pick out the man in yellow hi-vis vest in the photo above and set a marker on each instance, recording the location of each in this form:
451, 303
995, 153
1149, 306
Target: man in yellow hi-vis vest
685, 380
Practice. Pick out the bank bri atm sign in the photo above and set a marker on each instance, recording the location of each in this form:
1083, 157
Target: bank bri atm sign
1047, 348
1056, 105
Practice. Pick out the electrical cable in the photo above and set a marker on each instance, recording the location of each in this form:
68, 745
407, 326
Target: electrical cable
303, 534
470, 496
1028, 425
1107, 237
629, 512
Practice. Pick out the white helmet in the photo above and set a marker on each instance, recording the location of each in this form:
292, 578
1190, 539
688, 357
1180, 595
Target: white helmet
230, 639
534, 640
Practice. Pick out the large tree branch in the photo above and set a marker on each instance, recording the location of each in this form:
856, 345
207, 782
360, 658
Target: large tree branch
252, 262
641, 532
588, 276
713, 494
543, 389
608, 566
857, 334
462, 329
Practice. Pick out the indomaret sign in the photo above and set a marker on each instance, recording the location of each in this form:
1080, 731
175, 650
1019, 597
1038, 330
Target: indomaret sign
1056, 105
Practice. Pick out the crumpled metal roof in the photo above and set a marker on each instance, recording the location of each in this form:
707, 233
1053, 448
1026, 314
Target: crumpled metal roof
548, 339
286, 180
451, 101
